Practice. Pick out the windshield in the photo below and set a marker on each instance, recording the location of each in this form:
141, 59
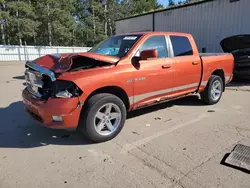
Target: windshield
117, 46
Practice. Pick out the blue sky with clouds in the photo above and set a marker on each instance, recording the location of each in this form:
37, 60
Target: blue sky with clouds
165, 2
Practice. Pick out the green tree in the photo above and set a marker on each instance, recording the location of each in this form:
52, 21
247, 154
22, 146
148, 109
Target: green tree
171, 3
3, 18
57, 23
90, 15
19, 22
65, 22
141, 6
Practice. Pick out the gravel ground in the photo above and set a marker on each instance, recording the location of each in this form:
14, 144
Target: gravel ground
177, 144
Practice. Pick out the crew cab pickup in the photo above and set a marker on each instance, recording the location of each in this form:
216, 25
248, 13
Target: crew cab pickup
93, 91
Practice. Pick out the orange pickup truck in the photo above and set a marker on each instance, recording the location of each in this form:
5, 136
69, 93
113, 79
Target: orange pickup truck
93, 91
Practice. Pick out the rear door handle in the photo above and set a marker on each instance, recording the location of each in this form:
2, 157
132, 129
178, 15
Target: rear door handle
166, 66
195, 63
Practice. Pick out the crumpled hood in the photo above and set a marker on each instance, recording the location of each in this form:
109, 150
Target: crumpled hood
236, 42
60, 63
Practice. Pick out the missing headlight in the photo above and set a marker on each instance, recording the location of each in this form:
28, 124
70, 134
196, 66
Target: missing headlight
65, 89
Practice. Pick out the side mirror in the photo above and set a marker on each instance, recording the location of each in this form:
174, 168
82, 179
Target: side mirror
149, 54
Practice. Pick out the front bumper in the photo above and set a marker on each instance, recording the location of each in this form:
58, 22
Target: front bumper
42, 111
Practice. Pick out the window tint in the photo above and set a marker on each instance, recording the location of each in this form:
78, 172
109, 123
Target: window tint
181, 46
158, 43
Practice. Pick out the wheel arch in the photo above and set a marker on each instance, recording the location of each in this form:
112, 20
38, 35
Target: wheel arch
115, 90
220, 73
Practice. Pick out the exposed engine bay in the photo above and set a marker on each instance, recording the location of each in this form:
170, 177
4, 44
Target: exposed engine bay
81, 63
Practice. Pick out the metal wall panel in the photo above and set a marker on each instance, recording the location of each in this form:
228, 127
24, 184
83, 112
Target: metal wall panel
24, 53
136, 24
208, 22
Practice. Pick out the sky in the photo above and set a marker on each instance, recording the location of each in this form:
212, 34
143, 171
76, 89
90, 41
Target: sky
165, 2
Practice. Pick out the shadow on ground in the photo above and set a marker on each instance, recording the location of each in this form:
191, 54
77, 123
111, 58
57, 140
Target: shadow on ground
192, 100
18, 130
239, 83
187, 101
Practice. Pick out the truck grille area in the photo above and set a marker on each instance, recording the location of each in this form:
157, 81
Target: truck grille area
39, 80
46, 89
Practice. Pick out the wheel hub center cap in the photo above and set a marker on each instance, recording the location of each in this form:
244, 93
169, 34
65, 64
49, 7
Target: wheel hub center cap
106, 117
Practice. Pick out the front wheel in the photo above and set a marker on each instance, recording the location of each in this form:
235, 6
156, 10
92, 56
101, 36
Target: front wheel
103, 117
213, 92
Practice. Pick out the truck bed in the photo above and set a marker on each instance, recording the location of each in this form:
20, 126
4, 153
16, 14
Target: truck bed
222, 62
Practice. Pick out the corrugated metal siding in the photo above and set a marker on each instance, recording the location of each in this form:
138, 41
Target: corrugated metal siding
24, 53
208, 22
142, 23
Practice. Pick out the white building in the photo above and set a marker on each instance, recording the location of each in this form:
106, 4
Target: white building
209, 21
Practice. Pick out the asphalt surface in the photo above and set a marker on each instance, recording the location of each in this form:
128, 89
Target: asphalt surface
179, 144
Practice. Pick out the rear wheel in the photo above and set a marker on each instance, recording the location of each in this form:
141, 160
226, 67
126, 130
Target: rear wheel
213, 91
103, 117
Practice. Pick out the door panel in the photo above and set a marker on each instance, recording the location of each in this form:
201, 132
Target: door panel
153, 77
152, 81
187, 73
187, 66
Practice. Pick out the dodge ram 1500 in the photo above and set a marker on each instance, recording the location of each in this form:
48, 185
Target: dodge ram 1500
93, 91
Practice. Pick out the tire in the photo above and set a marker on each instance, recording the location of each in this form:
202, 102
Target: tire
95, 121
208, 95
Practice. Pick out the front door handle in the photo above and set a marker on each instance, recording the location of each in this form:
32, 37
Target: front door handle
166, 66
195, 63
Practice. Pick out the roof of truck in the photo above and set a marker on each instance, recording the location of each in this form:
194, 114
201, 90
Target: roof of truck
155, 33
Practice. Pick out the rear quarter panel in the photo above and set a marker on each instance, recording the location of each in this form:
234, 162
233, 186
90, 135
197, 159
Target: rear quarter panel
212, 63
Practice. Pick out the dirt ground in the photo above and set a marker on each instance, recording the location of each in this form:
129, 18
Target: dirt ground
172, 145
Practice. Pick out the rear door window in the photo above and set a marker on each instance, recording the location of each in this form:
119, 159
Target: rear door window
181, 46
156, 43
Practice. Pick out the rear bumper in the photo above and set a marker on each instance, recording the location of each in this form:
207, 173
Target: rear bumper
42, 111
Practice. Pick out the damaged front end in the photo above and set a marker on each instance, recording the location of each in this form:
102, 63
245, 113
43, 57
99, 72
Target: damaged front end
42, 83
43, 74
38, 79
52, 102
51, 95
